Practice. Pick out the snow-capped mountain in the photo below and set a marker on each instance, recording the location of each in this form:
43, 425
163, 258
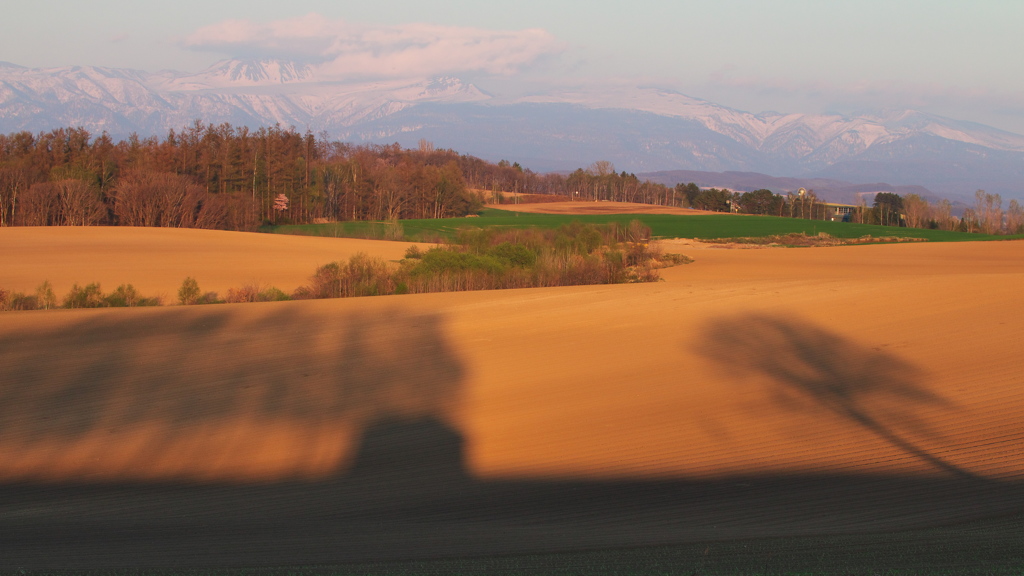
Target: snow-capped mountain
637, 128
793, 135
234, 73
241, 92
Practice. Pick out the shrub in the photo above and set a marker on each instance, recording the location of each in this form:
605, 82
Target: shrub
189, 292
253, 293
441, 260
325, 283
10, 301
672, 259
515, 255
637, 254
589, 239
477, 240
89, 296
636, 231
21, 301
209, 298
413, 252
578, 238
123, 296
367, 276
303, 293
273, 295
642, 273
45, 298
360, 276
574, 270
127, 296
247, 293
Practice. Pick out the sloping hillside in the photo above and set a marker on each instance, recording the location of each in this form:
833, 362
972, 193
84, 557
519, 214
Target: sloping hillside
766, 392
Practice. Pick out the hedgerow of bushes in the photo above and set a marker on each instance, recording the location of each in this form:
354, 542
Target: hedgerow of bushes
483, 259
488, 259
88, 296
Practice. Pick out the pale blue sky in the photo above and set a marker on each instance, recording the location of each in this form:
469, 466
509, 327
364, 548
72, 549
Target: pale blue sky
955, 58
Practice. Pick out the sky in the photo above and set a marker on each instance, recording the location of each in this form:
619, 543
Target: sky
953, 58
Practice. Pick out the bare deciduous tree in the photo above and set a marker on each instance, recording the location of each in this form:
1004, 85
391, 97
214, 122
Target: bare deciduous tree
12, 183
39, 206
79, 204
1014, 218
916, 210
143, 198
942, 213
989, 211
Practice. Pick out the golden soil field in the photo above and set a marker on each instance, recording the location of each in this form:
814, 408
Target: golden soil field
751, 393
156, 260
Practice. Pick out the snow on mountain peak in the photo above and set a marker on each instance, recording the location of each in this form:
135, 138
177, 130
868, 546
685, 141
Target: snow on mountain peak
255, 92
799, 133
228, 73
450, 88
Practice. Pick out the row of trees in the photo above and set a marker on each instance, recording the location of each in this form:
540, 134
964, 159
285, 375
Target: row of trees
986, 216
227, 177
139, 198
235, 178
207, 176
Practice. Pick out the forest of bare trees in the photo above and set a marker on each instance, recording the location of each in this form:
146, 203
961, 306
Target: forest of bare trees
235, 178
985, 216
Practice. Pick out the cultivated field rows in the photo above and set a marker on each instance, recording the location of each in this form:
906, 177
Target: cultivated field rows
896, 359
753, 393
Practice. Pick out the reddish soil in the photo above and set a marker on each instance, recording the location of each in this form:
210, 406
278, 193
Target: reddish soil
156, 260
752, 393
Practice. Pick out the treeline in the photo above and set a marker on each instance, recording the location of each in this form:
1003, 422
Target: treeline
223, 177
235, 178
986, 216
88, 296
207, 176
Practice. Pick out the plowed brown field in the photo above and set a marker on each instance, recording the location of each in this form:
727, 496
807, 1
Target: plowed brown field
156, 260
752, 393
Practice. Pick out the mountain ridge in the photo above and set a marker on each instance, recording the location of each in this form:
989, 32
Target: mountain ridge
640, 129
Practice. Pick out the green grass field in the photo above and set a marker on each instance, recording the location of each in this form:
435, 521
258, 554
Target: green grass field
705, 227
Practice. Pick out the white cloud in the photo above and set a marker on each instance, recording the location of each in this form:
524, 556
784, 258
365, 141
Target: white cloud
345, 49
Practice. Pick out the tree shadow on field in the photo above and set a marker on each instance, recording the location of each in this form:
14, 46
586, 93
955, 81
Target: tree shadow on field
311, 433
177, 393
812, 370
